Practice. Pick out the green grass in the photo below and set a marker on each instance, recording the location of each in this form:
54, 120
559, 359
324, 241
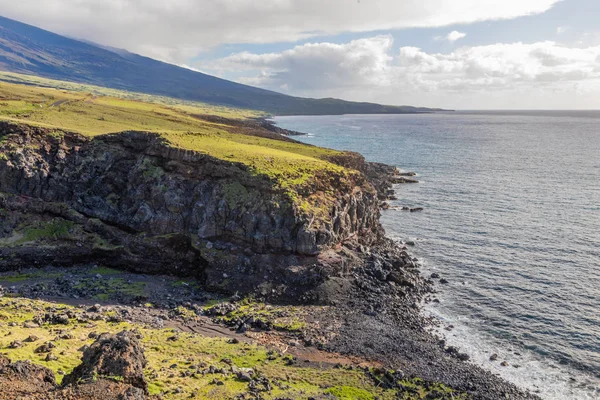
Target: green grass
298, 170
105, 271
187, 106
15, 277
350, 393
190, 351
55, 229
282, 318
113, 287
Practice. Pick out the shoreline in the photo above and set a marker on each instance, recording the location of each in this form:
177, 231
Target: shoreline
525, 369
368, 288
582, 388
387, 189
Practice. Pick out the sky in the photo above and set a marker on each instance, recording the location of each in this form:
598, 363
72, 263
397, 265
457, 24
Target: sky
459, 54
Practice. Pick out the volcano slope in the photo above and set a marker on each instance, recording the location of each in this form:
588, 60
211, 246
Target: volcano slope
276, 240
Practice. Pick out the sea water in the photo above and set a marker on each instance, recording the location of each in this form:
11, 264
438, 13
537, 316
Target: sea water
511, 219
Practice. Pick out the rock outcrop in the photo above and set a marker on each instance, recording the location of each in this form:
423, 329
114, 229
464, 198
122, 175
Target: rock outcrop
27, 372
119, 355
147, 206
112, 369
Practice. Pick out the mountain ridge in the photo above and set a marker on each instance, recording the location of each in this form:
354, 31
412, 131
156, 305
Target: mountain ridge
30, 50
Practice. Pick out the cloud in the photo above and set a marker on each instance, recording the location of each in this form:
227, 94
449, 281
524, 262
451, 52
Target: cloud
177, 30
455, 35
312, 66
561, 29
452, 36
375, 66
499, 66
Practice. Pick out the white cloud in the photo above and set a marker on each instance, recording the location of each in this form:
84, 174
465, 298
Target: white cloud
499, 66
176, 30
455, 35
363, 62
452, 36
372, 69
561, 29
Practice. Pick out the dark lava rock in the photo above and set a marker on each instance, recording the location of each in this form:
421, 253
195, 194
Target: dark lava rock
95, 308
435, 275
402, 279
45, 348
112, 355
444, 281
28, 372
58, 319
221, 309
494, 357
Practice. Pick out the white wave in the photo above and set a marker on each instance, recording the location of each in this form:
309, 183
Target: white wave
525, 369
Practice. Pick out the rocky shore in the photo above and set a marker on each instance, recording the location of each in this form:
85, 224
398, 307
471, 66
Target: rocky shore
131, 202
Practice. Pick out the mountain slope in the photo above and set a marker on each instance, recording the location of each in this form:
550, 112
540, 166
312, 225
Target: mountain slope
30, 50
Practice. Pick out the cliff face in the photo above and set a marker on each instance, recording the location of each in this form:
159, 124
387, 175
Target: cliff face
136, 193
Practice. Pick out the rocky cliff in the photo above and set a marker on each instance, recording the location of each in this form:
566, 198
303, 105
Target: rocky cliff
133, 201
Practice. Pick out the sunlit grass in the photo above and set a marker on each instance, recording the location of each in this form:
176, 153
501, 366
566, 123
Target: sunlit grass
289, 165
175, 360
183, 105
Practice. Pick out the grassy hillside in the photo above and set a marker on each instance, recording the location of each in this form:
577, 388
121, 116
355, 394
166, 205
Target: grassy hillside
289, 164
184, 105
27, 49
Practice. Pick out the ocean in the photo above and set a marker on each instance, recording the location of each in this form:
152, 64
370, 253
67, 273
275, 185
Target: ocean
511, 219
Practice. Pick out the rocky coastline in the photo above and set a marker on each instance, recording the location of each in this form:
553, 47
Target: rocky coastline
129, 201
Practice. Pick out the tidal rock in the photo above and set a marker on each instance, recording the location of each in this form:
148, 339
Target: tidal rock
402, 279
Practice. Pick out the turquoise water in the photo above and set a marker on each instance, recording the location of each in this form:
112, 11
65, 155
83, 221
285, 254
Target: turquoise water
512, 220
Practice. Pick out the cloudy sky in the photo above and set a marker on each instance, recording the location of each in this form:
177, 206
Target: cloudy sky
463, 54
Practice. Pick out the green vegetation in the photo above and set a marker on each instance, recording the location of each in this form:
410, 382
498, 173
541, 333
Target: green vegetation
282, 318
107, 289
15, 277
184, 105
175, 359
350, 393
298, 170
54, 229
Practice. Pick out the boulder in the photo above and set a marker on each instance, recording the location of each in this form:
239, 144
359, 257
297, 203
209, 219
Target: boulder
26, 372
402, 279
111, 355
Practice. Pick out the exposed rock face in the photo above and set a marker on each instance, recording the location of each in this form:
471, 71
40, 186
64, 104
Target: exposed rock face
135, 180
381, 176
109, 356
163, 209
